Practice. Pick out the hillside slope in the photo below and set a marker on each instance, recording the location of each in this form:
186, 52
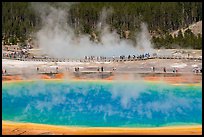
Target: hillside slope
196, 28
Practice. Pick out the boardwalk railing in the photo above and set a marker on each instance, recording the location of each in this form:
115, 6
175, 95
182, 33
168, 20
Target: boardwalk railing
116, 59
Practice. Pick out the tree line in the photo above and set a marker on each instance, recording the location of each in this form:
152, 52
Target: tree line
19, 21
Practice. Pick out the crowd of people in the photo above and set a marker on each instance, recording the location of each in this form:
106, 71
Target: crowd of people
98, 58
92, 58
24, 54
141, 56
15, 54
197, 70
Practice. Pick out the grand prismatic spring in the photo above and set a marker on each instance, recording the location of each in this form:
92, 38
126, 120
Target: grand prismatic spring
102, 104
88, 68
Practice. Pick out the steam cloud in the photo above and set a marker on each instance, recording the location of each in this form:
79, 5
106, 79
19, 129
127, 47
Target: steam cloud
57, 39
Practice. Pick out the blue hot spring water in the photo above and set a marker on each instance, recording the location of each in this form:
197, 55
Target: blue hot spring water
102, 104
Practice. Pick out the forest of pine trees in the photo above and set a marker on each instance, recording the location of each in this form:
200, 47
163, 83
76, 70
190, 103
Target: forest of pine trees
19, 20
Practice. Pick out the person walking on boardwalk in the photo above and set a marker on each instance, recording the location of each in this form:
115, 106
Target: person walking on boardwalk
153, 69
165, 69
57, 69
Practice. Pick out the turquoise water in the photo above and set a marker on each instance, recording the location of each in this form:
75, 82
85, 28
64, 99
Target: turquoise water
97, 104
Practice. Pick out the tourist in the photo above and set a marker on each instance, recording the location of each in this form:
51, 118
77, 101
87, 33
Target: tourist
196, 71
76, 69
129, 57
114, 68
37, 69
148, 55
164, 69
174, 70
57, 69
102, 69
153, 69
